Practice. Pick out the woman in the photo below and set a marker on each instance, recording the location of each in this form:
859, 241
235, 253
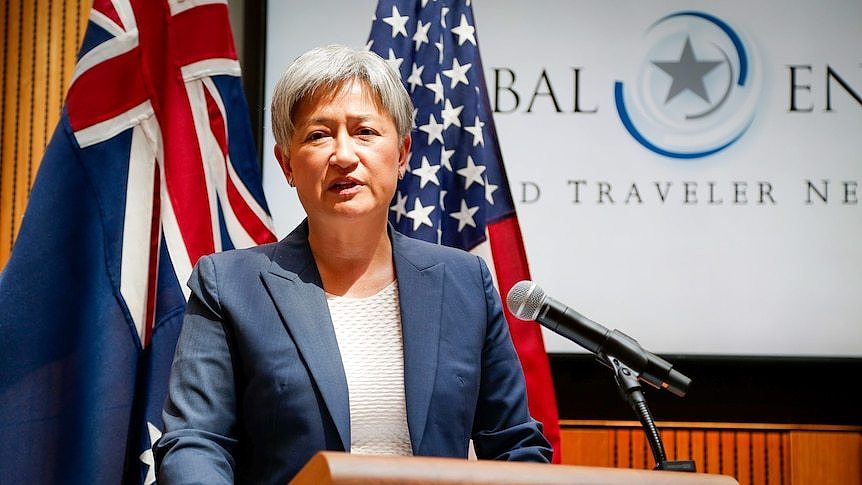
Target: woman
345, 335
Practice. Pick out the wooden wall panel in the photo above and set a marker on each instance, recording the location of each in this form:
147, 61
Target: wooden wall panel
40, 41
697, 448
758, 458
728, 452
825, 457
590, 447
712, 452
755, 454
743, 472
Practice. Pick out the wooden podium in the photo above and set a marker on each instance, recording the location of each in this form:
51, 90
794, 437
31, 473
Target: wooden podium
345, 469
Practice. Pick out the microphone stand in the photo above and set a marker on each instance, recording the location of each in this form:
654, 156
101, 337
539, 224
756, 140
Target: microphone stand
630, 388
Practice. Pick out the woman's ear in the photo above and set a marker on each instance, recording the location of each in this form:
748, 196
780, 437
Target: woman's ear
403, 155
284, 162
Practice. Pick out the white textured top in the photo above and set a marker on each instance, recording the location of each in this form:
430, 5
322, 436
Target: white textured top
368, 331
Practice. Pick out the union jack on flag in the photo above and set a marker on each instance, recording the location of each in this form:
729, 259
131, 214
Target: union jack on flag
151, 167
457, 192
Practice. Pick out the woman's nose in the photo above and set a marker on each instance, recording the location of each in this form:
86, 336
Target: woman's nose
344, 154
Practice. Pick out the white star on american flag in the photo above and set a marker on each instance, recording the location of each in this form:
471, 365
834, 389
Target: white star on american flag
420, 214
421, 35
458, 73
476, 131
450, 115
472, 173
399, 207
394, 60
465, 216
437, 88
465, 32
426, 173
433, 129
415, 78
398, 23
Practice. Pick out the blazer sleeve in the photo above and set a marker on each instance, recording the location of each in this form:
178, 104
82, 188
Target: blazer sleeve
200, 410
503, 428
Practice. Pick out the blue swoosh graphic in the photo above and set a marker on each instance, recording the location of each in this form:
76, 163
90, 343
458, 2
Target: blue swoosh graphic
633, 131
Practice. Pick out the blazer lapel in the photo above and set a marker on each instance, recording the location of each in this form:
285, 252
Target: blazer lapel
420, 287
294, 285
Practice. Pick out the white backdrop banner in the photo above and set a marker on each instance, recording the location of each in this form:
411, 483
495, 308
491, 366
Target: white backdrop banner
686, 172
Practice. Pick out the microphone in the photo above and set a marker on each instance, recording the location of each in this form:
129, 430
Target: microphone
527, 301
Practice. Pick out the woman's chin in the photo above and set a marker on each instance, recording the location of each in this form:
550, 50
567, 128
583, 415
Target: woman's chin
356, 211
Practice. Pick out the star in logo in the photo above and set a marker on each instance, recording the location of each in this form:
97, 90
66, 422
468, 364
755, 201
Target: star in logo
687, 73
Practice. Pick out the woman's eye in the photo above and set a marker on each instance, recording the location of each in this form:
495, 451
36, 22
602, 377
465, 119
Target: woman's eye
315, 135
367, 132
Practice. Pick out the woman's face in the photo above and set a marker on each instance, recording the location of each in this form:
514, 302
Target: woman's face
345, 154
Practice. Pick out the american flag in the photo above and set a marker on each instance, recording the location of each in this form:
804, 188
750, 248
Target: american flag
151, 167
456, 192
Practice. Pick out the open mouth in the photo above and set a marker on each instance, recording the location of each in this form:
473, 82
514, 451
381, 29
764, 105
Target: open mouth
345, 185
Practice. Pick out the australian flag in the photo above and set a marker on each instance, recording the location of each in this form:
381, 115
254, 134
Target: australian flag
456, 192
152, 166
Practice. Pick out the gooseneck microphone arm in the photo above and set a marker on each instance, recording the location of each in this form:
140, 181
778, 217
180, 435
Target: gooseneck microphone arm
528, 302
629, 361
629, 386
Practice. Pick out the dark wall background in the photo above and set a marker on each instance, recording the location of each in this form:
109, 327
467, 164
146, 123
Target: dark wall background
751, 389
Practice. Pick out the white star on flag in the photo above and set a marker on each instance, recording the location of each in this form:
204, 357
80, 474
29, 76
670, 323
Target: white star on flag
465, 32
437, 88
458, 73
450, 115
420, 214
445, 155
433, 129
147, 456
476, 131
394, 60
426, 173
415, 78
489, 191
398, 23
421, 35
399, 207
465, 216
472, 173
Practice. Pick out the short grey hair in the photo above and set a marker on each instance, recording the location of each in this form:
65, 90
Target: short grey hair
328, 68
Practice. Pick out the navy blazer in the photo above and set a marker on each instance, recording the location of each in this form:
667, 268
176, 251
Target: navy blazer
257, 385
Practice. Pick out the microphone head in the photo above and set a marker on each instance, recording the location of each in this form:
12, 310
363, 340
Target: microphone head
525, 299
